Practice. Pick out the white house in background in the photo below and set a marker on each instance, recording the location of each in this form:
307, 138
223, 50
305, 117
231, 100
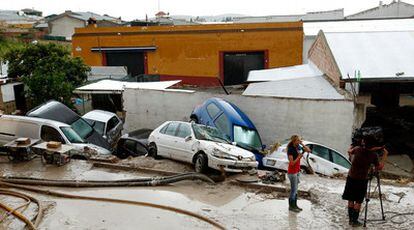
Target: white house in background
396, 9
63, 25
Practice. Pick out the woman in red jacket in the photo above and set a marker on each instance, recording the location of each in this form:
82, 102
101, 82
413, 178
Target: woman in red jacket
295, 150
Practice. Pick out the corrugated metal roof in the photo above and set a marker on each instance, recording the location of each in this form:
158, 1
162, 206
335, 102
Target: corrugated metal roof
86, 15
285, 73
373, 55
312, 28
300, 81
112, 86
305, 88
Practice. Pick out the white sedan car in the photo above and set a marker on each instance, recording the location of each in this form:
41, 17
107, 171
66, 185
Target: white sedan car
201, 145
322, 159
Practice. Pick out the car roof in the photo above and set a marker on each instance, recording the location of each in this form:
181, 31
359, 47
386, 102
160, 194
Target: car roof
99, 115
54, 110
312, 143
234, 113
35, 119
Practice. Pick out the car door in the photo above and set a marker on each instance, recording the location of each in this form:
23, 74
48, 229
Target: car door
125, 148
342, 165
166, 141
48, 133
319, 159
184, 142
213, 112
113, 129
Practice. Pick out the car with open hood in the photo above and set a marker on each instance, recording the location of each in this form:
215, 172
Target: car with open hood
204, 146
322, 159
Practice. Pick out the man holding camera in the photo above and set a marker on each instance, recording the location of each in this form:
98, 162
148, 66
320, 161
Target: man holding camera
364, 157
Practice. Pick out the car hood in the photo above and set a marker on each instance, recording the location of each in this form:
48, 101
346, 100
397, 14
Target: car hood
96, 139
95, 150
230, 149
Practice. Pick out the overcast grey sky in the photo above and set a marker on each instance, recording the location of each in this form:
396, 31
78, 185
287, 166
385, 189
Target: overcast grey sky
137, 9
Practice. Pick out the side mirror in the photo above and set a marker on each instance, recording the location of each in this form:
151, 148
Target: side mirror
187, 138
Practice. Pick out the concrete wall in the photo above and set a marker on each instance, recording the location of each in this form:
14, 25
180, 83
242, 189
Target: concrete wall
65, 27
326, 121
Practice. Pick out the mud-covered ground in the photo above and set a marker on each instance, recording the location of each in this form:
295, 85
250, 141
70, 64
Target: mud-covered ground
233, 206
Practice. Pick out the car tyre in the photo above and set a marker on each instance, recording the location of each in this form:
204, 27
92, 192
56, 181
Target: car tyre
194, 118
200, 163
152, 150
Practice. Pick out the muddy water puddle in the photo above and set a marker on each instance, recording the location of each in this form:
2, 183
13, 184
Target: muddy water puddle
232, 206
240, 211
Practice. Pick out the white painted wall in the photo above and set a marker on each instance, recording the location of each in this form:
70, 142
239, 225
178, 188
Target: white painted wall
308, 41
65, 27
7, 91
326, 121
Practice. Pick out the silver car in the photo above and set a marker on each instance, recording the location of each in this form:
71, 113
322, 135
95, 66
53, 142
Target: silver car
108, 124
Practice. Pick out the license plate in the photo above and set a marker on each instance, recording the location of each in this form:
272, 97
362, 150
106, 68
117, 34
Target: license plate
237, 164
270, 162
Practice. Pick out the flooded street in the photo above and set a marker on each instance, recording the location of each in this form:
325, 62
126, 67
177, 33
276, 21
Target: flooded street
233, 206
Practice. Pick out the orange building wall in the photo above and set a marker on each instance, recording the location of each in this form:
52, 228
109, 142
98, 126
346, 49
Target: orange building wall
195, 51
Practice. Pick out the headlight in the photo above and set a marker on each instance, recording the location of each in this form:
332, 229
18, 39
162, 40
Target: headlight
221, 154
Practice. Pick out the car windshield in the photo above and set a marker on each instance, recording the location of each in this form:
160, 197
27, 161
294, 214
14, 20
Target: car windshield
247, 136
82, 128
208, 133
71, 135
97, 125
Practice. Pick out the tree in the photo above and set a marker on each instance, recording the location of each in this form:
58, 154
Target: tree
7, 44
48, 70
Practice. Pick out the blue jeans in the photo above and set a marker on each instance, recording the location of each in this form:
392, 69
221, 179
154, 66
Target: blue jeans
294, 181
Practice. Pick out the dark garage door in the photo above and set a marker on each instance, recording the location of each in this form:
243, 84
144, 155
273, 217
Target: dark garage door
238, 65
134, 61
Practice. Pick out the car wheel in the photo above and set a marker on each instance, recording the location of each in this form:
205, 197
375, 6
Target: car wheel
194, 118
200, 163
152, 150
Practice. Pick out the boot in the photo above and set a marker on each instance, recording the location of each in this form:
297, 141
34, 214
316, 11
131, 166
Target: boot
295, 202
355, 222
351, 215
292, 206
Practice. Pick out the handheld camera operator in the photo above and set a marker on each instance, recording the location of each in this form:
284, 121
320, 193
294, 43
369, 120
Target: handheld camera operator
295, 150
365, 164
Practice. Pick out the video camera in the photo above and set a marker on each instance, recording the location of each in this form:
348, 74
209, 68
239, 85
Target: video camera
375, 132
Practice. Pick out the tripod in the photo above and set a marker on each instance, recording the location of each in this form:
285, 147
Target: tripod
371, 175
